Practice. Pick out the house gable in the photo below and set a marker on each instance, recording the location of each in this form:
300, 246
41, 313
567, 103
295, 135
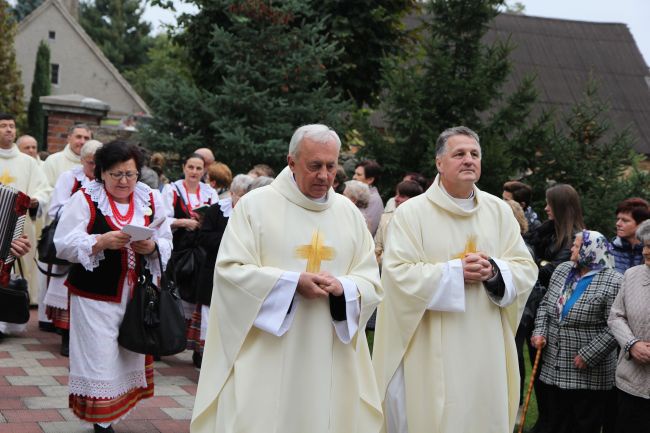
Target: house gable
83, 68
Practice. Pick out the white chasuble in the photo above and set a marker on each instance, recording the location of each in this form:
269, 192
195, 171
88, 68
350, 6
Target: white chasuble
24, 173
448, 344
60, 162
307, 379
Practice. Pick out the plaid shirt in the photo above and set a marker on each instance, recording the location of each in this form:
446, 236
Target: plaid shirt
583, 331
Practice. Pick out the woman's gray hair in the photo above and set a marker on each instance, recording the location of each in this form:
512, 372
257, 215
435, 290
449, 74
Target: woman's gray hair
643, 232
241, 183
259, 182
358, 191
316, 132
441, 143
89, 148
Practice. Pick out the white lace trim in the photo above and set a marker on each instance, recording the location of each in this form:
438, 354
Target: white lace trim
97, 194
205, 191
151, 262
86, 387
85, 253
56, 300
78, 173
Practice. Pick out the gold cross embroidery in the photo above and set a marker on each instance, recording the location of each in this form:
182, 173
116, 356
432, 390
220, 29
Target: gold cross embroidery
315, 253
470, 247
7, 178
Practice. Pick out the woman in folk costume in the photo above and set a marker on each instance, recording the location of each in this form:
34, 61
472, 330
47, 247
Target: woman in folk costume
57, 299
181, 198
579, 358
106, 381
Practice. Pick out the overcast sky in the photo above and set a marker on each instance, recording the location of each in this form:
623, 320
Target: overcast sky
634, 13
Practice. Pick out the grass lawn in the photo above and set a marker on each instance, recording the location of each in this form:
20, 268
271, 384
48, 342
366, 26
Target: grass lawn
531, 415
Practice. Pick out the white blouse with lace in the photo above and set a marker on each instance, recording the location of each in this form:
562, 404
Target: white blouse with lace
99, 367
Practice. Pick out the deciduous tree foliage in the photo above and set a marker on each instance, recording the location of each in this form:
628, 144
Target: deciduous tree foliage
166, 60
366, 31
11, 87
41, 86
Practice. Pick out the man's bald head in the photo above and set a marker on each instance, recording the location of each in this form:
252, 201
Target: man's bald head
28, 145
207, 155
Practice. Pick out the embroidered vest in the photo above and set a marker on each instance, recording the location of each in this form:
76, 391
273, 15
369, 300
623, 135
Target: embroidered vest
105, 282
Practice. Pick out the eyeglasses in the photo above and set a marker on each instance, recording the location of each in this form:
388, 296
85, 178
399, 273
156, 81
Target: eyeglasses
118, 175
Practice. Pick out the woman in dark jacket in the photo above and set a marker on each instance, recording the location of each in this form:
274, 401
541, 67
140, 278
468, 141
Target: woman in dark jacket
551, 244
213, 224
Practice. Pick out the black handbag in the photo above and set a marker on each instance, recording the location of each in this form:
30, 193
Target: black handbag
184, 269
46, 248
153, 322
14, 300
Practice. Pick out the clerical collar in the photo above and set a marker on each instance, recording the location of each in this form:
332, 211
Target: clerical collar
9, 153
465, 204
323, 199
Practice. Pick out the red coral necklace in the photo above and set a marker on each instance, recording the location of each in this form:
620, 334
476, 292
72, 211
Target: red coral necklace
122, 219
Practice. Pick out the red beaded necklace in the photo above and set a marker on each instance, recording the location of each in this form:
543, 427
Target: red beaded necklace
187, 194
122, 219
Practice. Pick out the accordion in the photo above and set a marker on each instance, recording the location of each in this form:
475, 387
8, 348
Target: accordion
13, 210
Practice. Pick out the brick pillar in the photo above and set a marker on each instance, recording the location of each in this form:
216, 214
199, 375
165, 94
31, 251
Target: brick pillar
64, 111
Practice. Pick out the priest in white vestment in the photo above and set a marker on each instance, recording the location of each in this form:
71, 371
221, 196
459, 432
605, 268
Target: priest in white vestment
456, 274
295, 282
55, 165
68, 158
23, 173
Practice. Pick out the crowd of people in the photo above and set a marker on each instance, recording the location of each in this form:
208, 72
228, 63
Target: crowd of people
279, 284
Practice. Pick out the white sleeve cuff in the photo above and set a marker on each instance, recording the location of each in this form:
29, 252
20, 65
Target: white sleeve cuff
273, 317
346, 329
85, 253
450, 293
510, 293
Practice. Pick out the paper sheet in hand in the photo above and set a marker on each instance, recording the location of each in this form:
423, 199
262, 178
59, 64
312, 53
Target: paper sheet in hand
138, 233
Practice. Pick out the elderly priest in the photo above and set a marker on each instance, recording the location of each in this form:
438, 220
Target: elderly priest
295, 282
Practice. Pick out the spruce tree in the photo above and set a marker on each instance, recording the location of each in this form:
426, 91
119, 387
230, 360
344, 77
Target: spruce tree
41, 86
11, 87
261, 74
116, 26
598, 161
449, 77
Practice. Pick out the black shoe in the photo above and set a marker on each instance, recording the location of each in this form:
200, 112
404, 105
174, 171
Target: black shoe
100, 429
65, 344
46, 326
197, 359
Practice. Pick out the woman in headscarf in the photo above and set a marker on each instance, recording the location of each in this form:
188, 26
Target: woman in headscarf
579, 358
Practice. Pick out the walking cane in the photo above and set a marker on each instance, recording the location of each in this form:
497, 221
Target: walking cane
538, 356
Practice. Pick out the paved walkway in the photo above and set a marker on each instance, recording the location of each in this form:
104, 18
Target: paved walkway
34, 391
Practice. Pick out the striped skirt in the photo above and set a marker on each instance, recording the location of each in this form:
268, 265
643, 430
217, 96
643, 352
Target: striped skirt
103, 410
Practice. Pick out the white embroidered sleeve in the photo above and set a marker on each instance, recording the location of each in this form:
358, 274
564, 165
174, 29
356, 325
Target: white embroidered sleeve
450, 293
274, 316
72, 241
346, 329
